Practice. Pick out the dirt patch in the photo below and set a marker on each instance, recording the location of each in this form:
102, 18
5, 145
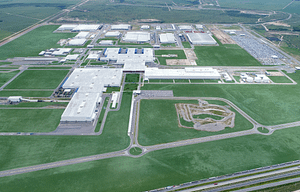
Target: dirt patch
203, 116
222, 36
279, 24
180, 62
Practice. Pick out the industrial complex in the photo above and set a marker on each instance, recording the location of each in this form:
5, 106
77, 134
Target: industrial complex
147, 87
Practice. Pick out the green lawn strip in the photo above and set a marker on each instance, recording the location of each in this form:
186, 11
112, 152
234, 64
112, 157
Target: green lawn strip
211, 80
49, 67
268, 104
280, 79
181, 81
130, 87
132, 78
4, 77
38, 79
36, 104
168, 45
98, 63
224, 55
29, 120
267, 182
287, 187
5, 63
238, 177
35, 41
180, 55
237, 78
159, 124
160, 80
203, 116
197, 80
5, 93
112, 89
153, 170
97, 129
186, 45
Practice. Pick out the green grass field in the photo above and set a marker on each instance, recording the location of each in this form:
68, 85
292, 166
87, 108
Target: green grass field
29, 120
186, 45
6, 93
4, 77
38, 79
264, 103
180, 55
49, 67
165, 167
280, 79
224, 55
33, 104
24, 151
132, 78
158, 123
35, 41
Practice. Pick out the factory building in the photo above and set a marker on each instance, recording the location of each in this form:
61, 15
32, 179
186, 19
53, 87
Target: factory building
186, 73
201, 39
56, 52
185, 27
90, 84
137, 36
82, 35
106, 42
79, 27
77, 42
167, 38
120, 27
113, 34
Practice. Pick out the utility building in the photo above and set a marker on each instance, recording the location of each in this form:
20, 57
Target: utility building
120, 27
113, 34
167, 38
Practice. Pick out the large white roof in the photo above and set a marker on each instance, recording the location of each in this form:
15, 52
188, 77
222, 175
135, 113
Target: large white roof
120, 27
136, 36
89, 27
82, 35
201, 38
187, 73
77, 42
112, 34
167, 38
185, 27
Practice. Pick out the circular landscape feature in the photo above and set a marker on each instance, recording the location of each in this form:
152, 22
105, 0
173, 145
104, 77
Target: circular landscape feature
135, 151
263, 130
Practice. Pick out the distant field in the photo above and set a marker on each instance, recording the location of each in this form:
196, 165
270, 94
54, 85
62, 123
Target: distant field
224, 55
35, 41
158, 123
16, 15
180, 55
38, 79
255, 4
29, 120
4, 77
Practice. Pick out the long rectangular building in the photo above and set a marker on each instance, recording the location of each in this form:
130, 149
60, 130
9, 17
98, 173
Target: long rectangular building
187, 73
201, 39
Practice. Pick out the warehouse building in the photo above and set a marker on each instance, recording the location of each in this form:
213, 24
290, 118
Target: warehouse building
77, 42
186, 73
185, 27
145, 27
167, 38
120, 27
201, 39
113, 34
106, 42
90, 84
79, 27
82, 35
137, 36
